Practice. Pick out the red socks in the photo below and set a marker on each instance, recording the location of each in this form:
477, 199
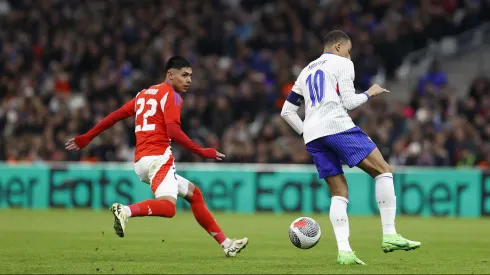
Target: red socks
163, 208
160, 208
205, 218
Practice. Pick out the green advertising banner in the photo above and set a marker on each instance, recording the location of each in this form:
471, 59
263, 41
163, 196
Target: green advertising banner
246, 188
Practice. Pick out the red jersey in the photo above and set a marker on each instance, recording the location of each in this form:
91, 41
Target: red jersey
154, 108
157, 111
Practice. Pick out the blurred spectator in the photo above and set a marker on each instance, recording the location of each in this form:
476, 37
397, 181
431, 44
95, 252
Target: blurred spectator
433, 81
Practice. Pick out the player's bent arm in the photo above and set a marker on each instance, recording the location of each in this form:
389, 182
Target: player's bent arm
176, 134
122, 113
350, 100
289, 111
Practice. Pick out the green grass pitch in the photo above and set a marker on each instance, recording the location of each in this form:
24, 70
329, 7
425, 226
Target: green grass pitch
63, 241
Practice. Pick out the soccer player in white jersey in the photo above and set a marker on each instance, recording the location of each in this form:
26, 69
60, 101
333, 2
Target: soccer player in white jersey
326, 86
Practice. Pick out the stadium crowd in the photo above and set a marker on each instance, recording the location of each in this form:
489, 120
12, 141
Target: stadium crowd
67, 64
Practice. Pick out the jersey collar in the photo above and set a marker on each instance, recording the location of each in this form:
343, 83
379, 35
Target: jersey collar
170, 85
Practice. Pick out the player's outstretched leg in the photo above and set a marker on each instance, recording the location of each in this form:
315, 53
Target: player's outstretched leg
231, 247
160, 207
164, 185
377, 167
340, 221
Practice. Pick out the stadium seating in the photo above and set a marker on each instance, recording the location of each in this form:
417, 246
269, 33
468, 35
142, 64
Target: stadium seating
67, 64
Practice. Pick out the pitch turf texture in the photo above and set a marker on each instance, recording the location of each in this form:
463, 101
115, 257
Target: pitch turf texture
61, 242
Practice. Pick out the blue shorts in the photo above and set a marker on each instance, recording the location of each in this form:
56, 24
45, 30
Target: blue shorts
351, 147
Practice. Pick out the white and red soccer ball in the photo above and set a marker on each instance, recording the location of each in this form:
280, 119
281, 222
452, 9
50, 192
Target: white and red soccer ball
304, 232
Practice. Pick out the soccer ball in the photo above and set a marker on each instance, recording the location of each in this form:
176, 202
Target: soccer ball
304, 233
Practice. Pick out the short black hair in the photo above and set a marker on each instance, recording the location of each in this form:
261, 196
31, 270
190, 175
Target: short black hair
335, 36
177, 62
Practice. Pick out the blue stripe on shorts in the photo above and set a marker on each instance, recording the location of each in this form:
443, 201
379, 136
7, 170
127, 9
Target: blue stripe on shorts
351, 147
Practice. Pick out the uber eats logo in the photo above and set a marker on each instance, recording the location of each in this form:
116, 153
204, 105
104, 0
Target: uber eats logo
440, 193
425, 192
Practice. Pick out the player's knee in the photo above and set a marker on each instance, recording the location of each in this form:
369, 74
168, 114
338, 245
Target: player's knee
382, 169
196, 196
386, 168
378, 166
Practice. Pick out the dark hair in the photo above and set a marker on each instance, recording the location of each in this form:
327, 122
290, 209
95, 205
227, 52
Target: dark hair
335, 36
177, 62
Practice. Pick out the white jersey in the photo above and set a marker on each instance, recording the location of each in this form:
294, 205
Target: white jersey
326, 86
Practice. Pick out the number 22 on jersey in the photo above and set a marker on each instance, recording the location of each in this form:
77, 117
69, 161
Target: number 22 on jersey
150, 111
316, 86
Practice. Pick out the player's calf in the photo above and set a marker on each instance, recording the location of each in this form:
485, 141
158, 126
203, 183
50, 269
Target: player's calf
204, 217
159, 207
377, 167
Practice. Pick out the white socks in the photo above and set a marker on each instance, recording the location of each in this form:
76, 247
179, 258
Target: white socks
127, 210
226, 243
340, 222
386, 200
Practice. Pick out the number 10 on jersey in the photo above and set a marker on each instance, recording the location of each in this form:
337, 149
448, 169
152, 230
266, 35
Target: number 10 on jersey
316, 86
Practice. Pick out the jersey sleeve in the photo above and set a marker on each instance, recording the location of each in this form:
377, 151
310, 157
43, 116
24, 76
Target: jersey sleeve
171, 104
123, 112
297, 86
129, 107
290, 108
345, 80
296, 97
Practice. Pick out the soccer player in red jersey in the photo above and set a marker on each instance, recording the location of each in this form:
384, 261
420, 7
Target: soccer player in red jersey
157, 111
